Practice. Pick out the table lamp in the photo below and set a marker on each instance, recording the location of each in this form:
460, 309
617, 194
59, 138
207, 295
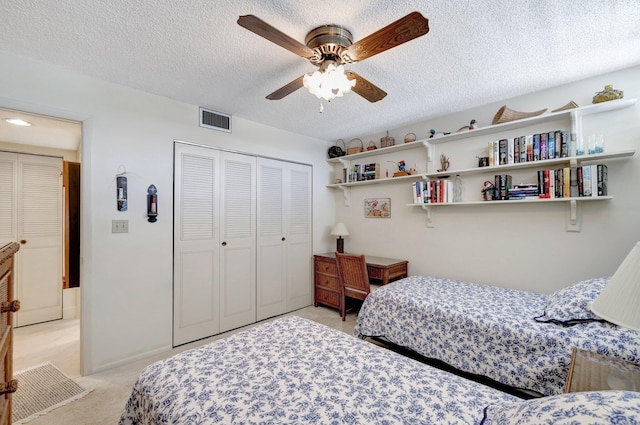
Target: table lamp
340, 230
619, 300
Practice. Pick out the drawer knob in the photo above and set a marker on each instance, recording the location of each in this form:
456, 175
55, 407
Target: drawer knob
10, 306
9, 387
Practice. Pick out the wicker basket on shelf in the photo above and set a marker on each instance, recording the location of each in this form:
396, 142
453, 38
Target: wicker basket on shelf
355, 146
410, 137
505, 114
570, 105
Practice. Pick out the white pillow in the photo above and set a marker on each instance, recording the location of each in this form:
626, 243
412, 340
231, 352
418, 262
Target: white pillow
570, 305
596, 407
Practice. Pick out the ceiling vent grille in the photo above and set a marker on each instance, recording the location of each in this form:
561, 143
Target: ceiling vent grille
215, 120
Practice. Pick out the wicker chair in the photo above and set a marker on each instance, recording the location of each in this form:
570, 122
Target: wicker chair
354, 280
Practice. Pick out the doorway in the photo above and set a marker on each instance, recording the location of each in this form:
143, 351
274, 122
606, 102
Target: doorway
50, 137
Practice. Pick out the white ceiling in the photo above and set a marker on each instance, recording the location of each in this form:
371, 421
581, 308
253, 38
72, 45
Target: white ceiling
476, 52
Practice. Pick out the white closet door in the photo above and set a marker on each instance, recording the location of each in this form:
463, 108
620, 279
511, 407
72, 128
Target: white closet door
238, 246
196, 244
39, 261
299, 231
272, 251
284, 237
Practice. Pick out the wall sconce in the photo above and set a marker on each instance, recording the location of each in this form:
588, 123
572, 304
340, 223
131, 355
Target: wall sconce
121, 194
152, 204
340, 230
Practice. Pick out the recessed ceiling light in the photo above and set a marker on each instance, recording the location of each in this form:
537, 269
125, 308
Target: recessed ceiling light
18, 121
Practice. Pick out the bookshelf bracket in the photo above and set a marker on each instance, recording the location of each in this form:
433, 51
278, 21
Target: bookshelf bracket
346, 192
429, 211
573, 222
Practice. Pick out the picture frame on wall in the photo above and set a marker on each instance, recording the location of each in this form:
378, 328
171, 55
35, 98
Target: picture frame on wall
377, 208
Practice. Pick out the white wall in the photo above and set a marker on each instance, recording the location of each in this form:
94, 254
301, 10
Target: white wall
126, 279
520, 246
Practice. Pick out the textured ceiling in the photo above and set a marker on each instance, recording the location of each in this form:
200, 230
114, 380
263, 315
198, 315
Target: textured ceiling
476, 52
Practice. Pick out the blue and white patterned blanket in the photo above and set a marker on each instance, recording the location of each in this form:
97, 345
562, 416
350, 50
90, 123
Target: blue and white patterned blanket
293, 371
487, 330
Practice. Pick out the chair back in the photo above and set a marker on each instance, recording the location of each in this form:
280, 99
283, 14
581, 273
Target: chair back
354, 279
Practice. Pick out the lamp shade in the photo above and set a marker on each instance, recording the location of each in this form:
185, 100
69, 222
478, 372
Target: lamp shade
340, 229
619, 300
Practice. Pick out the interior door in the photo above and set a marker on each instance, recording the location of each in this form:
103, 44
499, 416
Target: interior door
299, 230
284, 237
238, 241
33, 216
196, 278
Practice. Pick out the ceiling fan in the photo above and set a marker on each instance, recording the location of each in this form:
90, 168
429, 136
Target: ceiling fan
331, 46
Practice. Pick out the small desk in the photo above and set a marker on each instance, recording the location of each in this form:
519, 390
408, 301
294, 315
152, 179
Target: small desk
327, 284
595, 372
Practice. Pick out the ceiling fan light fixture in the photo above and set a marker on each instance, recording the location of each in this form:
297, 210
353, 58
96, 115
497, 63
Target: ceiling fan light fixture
328, 82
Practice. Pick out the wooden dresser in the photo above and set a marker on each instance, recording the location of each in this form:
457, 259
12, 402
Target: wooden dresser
327, 283
7, 306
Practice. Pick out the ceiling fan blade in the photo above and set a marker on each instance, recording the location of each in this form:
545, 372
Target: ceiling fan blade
287, 89
366, 88
260, 27
404, 29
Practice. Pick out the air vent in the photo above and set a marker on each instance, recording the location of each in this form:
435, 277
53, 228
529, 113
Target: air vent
215, 120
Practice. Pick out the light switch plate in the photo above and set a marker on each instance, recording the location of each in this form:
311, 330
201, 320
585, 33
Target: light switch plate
119, 226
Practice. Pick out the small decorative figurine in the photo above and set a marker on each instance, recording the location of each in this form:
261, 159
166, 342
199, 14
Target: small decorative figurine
444, 163
487, 190
402, 169
607, 94
433, 134
472, 126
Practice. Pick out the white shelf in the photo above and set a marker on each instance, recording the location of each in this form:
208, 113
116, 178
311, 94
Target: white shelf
535, 164
529, 200
378, 181
546, 117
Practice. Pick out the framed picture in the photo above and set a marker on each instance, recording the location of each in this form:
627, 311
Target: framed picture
377, 208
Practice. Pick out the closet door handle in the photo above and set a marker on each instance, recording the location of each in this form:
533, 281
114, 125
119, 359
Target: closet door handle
23, 241
224, 243
283, 239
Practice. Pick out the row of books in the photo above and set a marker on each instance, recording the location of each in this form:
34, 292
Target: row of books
566, 182
432, 191
363, 172
534, 147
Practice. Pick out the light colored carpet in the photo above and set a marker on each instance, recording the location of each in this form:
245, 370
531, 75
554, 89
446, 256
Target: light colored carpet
42, 389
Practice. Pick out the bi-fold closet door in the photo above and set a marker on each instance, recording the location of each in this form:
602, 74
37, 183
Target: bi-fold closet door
229, 211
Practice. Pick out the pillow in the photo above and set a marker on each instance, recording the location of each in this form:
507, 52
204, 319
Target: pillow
595, 407
570, 305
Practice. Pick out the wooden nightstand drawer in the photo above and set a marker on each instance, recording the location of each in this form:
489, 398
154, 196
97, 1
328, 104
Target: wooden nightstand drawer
332, 299
329, 282
326, 267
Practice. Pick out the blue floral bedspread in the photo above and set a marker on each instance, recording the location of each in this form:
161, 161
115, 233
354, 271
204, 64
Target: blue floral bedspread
293, 371
487, 330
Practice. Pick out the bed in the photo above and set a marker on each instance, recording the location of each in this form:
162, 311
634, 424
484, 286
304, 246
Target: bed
516, 338
293, 370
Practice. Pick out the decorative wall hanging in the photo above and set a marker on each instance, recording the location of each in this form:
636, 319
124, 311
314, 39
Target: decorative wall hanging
377, 208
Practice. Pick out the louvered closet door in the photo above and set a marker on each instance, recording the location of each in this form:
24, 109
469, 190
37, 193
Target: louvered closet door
284, 237
196, 244
31, 213
238, 236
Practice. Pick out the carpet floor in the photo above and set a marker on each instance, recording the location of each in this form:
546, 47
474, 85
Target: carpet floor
42, 389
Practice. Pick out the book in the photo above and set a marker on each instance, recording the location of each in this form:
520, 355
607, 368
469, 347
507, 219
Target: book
516, 149
529, 144
579, 181
511, 151
594, 180
602, 179
502, 183
417, 192
502, 151
544, 146
567, 182
490, 154
551, 145
573, 190
523, 148
586, 180
536, 147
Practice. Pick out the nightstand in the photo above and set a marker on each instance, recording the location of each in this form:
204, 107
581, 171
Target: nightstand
595, 372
